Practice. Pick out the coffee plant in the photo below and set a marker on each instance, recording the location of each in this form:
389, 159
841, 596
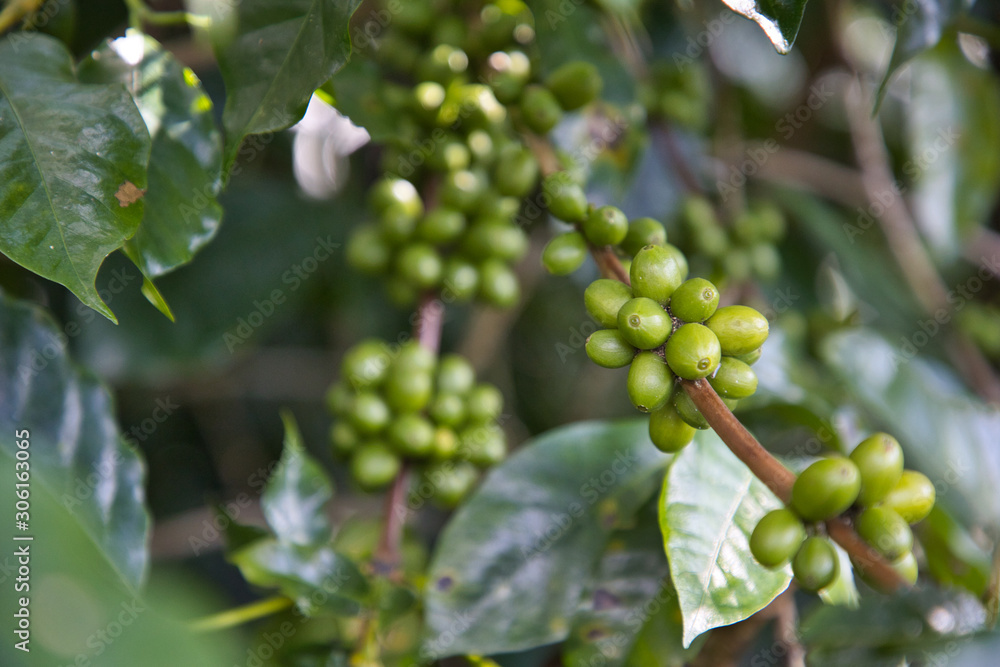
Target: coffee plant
324, 325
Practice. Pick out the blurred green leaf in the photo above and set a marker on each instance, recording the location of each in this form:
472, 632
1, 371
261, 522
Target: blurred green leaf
953, 557
76, 451
630, 585
711, 503
779, 19
293, 502
944, 431
954, 138
314, 577
69, 150
510, 567
185, 167
272, 59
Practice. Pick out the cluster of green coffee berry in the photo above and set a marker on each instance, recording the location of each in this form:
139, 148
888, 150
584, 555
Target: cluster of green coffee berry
665, 326
885, 499
679, 93
406, 404
739, 251
470, 90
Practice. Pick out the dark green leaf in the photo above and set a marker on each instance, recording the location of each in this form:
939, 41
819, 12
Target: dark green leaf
275, 57
185, 168
954, 162
357, 93
510, 567
293, 502
314, 578
72, 166
76, 451
711, 503
946, 433
631, 585
780, 19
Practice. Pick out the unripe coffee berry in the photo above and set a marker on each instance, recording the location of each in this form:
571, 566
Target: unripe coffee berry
655, 274
366, 364
484, 402
461, 279
606, 225
567, 200
498, 284
408, 391
451, 481
455, 375
644, 324
564, 253
668, 431
880, 460
420, 265
826, 488
735, 379
695, 300
912, 498
540, 109
411, 436
650, 382
777, 538
643, 232
441, 225
483, 445
693, 352
495, 237
462, 190
516, 173
740, 329
886, 531
447, 409
816, 564
575, 84
369, 413
373, 465
603, 299
607, 348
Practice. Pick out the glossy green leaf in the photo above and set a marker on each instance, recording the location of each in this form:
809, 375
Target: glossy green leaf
76, 451
72, 166
273, 58
293, 502
710, 504
185, 167
631, 586
779, 19
510, 568
945, 432
314, 577
953, 137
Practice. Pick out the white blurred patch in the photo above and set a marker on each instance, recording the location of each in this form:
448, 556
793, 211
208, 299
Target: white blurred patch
131, 47
323, 140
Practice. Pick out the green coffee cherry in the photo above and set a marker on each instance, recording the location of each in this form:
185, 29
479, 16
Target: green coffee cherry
644, 324
447, 409
455, 375
777, 538
603, 299
461, 279
445, 443
367, 251
484, 402
420, 265
399, 192
366, 364
912, 498
442, 64
693, 352
509, 72
735, 379
816, 565
643, 232
688, 411
650, 382
339, 399
575, 84
442, 225
668, 431
451, 481
540, 109
411, 436
826, 488
343, 438
606, 225
880, 460
516, 173
740, 329
495, 238
462, 190
750, 358
607, 348
483, 445
567, 200
695, 300
369, 413
679, 257
395, 225
498, 284
413, 356
408, 391
373, 465
655, 274
564, 253
906, 567
886, 531
428, 96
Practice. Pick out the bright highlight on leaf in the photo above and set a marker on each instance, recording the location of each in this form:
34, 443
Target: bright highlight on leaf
779, 19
